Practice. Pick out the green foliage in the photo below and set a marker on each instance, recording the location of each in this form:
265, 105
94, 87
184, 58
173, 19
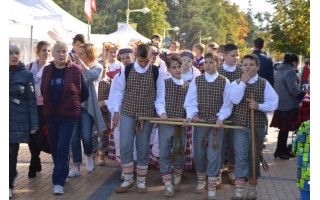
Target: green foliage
290, 26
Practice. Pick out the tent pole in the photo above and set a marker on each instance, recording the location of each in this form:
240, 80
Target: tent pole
88, 30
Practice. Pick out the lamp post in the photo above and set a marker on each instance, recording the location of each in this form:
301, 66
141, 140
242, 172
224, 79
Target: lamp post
168, 29
143, 10
203, 38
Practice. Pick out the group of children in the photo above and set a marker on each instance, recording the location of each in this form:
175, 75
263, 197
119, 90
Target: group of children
140, 88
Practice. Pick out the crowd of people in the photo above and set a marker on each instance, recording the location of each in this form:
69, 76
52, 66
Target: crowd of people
108, 101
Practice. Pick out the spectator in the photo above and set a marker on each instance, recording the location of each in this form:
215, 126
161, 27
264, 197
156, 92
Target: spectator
23, 116
266, 65
36, 67
212, 47
90, 116
287, 114
305, 74
63, 89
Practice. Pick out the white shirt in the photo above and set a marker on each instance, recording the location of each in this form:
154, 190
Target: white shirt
191, 101
191, 74
160, 103
270, 96
229, 68
121, 85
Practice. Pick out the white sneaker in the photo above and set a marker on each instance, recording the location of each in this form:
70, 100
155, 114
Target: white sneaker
90, 163
74, 172
10, 193
57, 189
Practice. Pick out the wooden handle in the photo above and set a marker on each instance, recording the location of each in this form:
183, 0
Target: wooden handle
253, 145
195, 124
175, 119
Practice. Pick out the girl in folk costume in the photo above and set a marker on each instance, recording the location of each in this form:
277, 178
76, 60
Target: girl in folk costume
136, 94
265, 100
232, 71
172, 156
189, 72
208, 99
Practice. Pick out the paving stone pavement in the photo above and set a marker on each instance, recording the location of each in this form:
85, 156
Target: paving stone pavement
277, 183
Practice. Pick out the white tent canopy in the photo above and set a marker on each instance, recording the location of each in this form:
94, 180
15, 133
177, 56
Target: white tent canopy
35, 20
124, 36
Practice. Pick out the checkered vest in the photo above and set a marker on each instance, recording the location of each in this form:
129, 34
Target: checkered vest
210, 97
232, 76
175, 96
140, 94
242, 112
103, 90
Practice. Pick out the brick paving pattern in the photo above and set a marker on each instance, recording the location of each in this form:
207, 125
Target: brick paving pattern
277, 183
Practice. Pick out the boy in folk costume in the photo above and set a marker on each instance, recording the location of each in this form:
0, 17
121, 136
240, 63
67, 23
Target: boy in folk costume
208, 99
232, 71
126, 56
265, 100
172, 139
136, 93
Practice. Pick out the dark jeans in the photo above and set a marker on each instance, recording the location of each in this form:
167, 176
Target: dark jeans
35, 162
13, 156
60, 133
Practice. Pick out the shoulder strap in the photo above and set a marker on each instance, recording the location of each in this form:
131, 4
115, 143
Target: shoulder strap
155, 72
30, 66
127, 70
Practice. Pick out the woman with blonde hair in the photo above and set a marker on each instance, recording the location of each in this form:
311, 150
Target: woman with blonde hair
91, 116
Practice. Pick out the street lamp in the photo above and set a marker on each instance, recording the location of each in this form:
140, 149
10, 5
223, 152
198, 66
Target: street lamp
203, 38
168, 29
143, 10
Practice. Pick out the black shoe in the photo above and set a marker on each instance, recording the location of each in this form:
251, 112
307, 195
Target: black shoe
32, 174
290, 155
39, 168
281, 156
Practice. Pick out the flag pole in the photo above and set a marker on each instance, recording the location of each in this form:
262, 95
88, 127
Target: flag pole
88, 36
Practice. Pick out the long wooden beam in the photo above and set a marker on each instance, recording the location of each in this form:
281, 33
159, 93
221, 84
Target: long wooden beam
175, 119
195, 124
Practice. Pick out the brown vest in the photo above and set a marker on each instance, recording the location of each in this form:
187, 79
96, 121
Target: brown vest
242, 112
232, 76
140, 94
175, 96
210, 97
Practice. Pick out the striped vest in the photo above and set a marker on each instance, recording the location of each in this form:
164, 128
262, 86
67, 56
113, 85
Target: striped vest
210, 97
242, 112
140, 94
232, 76
175, 96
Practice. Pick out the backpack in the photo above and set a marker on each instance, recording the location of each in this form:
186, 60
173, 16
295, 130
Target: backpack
155, 72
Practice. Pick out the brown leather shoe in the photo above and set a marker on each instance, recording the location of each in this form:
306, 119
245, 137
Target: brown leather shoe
124, 189
142, 190
196, 191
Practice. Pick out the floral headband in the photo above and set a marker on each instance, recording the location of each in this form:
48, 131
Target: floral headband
136, 44
109, 45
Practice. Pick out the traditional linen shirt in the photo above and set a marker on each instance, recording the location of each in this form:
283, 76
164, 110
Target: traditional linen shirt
173, 96
191, 102
121, 85
270, 98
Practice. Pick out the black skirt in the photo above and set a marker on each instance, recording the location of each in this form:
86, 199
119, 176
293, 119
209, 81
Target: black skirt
286, 120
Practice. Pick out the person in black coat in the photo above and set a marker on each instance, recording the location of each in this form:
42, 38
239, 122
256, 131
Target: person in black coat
23, 114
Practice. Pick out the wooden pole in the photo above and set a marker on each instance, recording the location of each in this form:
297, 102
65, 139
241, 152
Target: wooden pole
174, 119
195, 124
253, 145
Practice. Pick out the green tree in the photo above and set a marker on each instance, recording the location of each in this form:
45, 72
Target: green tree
290, 26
